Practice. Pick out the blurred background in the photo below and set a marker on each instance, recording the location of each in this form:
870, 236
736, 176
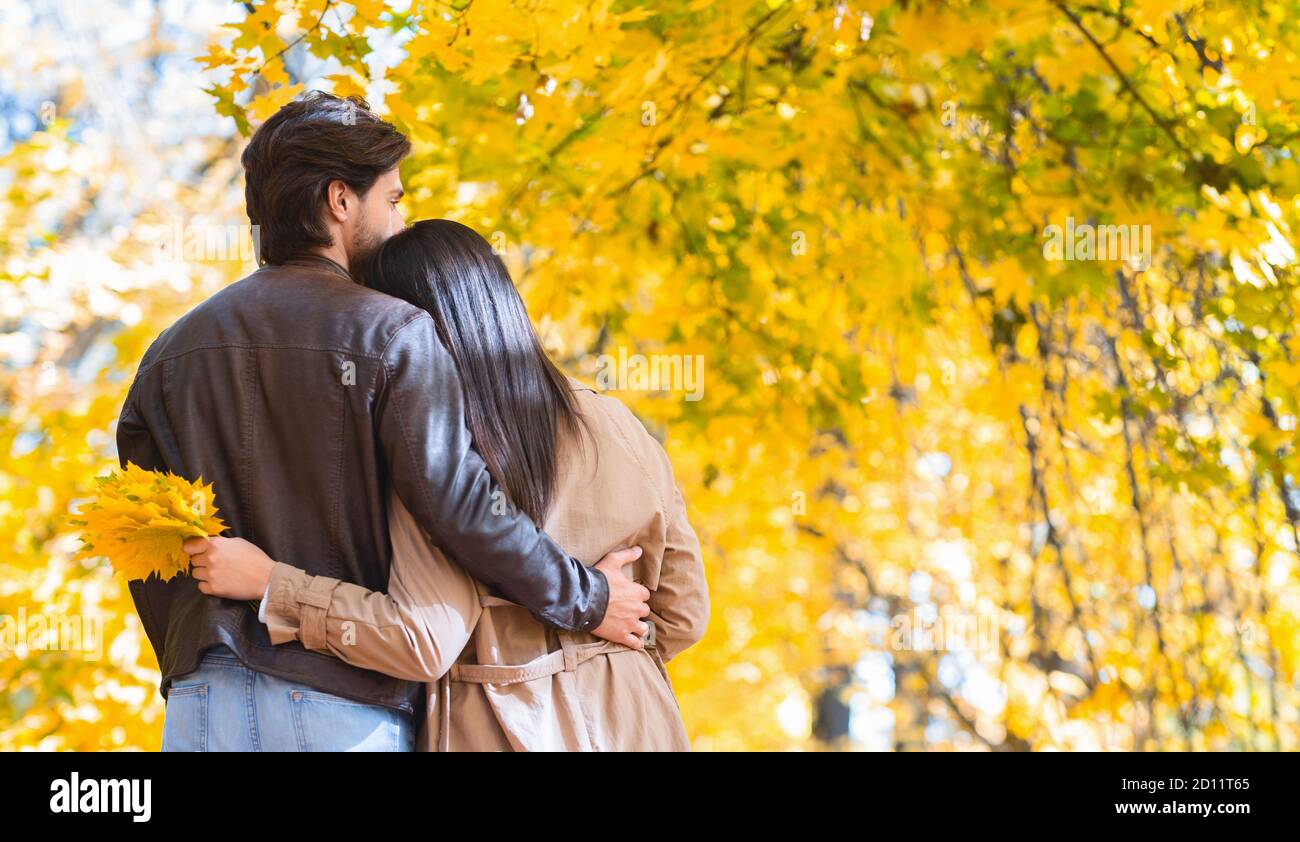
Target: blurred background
994, 446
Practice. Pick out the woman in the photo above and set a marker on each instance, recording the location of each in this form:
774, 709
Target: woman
498, 679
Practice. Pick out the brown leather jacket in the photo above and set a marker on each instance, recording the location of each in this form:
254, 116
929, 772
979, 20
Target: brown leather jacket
304, 397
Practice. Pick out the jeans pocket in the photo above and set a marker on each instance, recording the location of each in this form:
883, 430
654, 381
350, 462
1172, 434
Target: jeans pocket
185, 721
324, 722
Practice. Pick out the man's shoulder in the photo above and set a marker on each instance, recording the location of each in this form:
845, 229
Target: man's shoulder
312, 295
288, 306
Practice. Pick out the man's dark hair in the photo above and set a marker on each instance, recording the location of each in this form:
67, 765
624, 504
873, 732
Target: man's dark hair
292, 158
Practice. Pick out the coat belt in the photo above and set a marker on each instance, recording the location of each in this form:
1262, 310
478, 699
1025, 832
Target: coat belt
566, 659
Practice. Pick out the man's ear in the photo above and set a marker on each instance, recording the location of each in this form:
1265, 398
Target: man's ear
339, 200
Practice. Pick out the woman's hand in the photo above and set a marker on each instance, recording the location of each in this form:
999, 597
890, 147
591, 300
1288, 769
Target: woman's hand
229, 567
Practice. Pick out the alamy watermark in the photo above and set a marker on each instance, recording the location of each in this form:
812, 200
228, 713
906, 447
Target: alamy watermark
1130, 244
651, 373
945, 630
40, 632
132, 796
201, 240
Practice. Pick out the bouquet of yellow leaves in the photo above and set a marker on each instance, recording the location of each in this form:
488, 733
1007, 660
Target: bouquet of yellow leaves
140, 519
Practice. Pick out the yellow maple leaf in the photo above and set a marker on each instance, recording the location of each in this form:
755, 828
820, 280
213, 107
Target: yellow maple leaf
140, 519
267, 104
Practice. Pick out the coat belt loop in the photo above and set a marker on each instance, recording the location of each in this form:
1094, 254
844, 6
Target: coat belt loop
444, 699
570, 650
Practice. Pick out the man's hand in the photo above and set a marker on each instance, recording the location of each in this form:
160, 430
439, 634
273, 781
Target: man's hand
627, 601
229, 567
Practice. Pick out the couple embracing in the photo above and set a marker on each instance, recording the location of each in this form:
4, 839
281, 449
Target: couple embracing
452, 545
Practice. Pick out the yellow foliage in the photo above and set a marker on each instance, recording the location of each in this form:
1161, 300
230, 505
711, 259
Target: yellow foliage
908, 406
139, 520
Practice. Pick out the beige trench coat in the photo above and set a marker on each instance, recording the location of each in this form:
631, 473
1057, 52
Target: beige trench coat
497, 679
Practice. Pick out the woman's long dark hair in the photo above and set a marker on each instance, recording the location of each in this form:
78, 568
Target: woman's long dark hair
516, 400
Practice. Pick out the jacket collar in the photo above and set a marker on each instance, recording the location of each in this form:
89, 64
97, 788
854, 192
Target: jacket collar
319, 261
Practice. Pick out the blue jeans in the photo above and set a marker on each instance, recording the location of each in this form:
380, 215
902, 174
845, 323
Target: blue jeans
225, 706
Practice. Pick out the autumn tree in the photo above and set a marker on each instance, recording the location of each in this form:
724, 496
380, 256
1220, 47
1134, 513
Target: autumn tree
996, 307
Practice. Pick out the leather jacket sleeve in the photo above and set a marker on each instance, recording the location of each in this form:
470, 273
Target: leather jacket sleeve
447, 487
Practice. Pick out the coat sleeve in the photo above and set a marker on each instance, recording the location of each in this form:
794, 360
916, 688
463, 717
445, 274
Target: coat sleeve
414, 632
679, 605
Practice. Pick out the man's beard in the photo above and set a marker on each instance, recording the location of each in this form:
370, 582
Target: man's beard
364, 243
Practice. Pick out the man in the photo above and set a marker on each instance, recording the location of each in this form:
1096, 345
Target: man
303, 395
